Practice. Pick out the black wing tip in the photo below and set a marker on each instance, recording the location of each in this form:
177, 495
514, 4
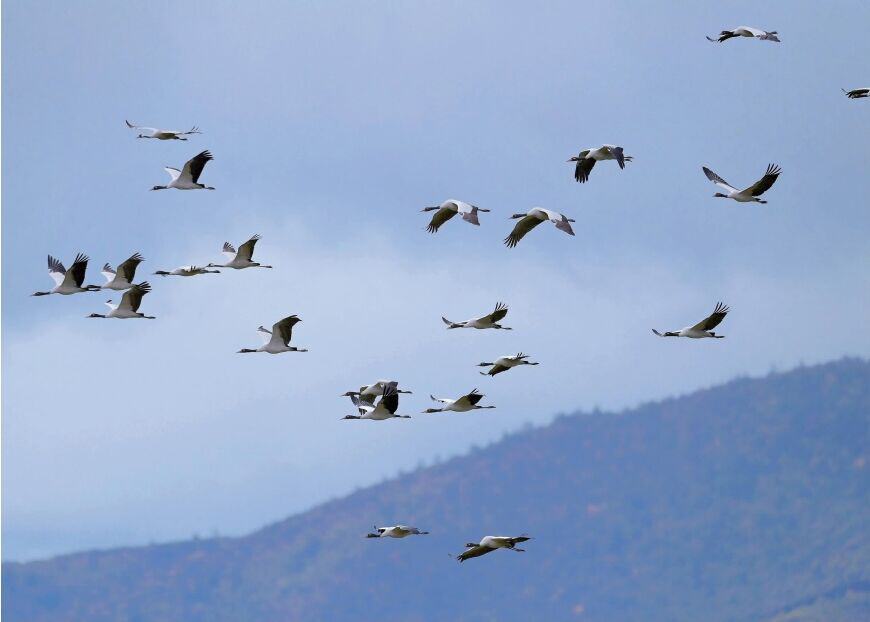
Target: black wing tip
136, 257
81, 258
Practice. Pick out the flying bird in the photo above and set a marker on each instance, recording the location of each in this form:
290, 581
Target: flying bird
532, 219
449, 209
122, 278
397, 531
746, 31
385, 408
587, 158
504, 363
186, 271
702, 329
153, 132
857, 93
277, 340
70, 281
747, 195
129, 306
491, 543
368, 393
240, 259
487, 321
467, 402
188, 177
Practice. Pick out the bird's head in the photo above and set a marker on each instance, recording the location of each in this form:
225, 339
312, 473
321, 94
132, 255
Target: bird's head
95, 315
162, 273
351, 417
159, 188
373, 535
516, 216
573, 159
720, 195
468, 545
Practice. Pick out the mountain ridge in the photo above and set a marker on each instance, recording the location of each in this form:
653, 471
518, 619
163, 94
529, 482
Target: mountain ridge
634, 492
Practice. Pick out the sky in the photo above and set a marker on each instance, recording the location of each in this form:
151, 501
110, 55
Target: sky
332, 125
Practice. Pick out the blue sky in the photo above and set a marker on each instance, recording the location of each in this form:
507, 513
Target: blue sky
332, 125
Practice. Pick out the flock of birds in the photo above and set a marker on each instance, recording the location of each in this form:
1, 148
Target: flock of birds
380, 400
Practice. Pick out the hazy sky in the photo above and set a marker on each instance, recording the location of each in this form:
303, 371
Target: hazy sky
332, 125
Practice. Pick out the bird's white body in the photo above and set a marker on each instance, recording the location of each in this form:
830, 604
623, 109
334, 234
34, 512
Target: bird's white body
122, 278
277, 340
153, 132
534, 217
462, 404
187, 271
396, 531
188, 177
747, 195
448, 209
506, 362
241, 259
490, 320
746, 31
703, 329
128, 308
488, 544
71, 281
384, 409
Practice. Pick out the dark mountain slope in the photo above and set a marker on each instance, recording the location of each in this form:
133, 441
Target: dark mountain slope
748, 501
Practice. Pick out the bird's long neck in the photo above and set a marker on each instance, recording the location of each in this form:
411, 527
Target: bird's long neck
246, 351
40, 293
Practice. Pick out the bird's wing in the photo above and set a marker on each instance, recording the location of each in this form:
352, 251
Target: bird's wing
127, 269
174, 173
764, 184
497, 369
265, 335
108, 272
473, 398
76, 273
283, 329
712, 321
619, 154
132, 298
497, 314
193, 167
718, 180
474, 551
229, 250
439, 218
525, 224
246, 250
443, 400
153, 130
470, 216
583, 168
390, 398
562, 224
56, 270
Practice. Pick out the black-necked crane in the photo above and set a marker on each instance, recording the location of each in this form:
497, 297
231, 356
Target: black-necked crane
153, 132
188, 177
857, 93
532, 219
368, 393
128, 308
240, 259
70, 281
702, 329
492, 543
747, 195
504, 363
490, 320
385, 408
277, 340
587, 158
746, 31
396, 531
449, 209
467, 402
187, 271
122, 278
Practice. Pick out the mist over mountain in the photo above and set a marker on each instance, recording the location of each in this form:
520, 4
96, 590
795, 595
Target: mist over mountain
747, 501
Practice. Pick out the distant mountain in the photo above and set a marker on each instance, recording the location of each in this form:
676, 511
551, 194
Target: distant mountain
748, 501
